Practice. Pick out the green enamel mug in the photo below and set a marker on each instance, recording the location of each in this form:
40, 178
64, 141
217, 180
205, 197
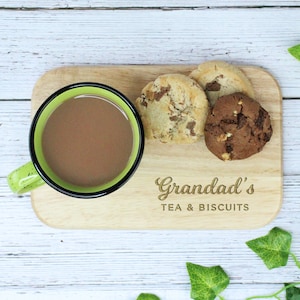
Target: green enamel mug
86, 140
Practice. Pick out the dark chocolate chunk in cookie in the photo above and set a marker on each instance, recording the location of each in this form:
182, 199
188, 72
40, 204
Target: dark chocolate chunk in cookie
237, 127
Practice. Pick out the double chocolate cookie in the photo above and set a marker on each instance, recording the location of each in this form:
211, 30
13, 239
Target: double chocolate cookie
237, 127
173, 109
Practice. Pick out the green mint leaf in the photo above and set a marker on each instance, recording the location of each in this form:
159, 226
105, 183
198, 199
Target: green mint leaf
206, 282
144, 296
295, 51
273, 248
292, 292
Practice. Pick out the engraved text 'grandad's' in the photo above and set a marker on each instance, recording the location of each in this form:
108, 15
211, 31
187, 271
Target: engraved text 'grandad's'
167, 186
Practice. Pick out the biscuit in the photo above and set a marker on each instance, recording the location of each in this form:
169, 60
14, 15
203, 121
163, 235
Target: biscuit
237, 127
219, 78
173, 109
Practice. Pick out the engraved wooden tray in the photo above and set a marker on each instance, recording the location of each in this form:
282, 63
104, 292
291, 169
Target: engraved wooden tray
175, 186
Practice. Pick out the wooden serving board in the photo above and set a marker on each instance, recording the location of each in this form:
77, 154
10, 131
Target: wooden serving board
175, 186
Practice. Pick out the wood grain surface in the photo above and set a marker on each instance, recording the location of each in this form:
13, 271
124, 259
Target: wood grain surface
106, 4
145, 36
234, 195
39, 262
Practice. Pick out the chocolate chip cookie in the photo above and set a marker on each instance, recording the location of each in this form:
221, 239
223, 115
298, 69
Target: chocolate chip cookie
219, 78
173, 109
237, 127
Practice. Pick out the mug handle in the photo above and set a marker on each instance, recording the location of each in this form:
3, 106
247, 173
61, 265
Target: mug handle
24, 179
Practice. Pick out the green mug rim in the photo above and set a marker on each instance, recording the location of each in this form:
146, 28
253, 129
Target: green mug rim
40, 119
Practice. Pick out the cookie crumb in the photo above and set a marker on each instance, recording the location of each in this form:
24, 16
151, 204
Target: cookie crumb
226, 156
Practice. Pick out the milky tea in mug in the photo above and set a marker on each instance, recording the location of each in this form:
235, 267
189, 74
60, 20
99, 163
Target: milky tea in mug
86, 140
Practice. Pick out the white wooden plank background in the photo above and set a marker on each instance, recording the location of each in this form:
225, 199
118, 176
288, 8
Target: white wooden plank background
35, 41
143, 4
38, 262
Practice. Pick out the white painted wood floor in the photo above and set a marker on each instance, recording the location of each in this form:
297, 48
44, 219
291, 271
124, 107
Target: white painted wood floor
39, 262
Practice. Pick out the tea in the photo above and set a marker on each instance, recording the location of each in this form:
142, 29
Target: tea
87, 141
